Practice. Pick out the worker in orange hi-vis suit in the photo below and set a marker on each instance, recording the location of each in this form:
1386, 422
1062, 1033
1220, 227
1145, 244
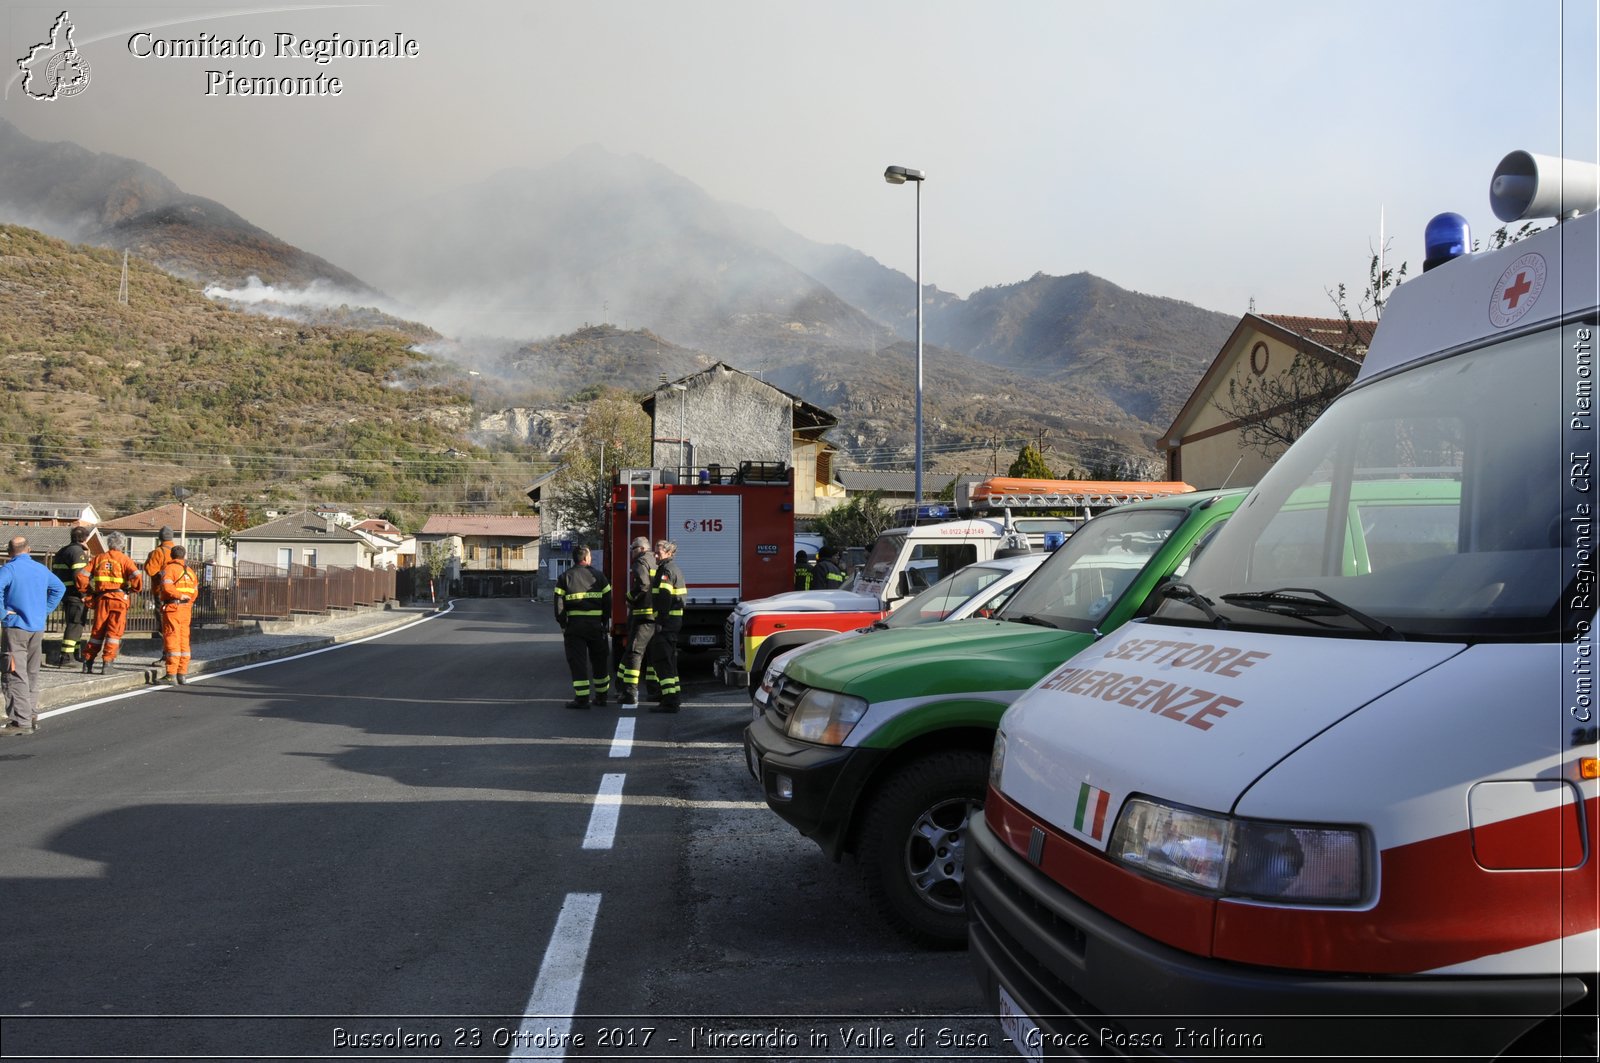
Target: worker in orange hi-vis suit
113, 577
176, 593
156, 560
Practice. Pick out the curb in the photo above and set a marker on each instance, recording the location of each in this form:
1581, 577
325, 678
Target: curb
90, 688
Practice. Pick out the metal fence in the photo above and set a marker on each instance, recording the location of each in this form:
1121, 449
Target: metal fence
229, 597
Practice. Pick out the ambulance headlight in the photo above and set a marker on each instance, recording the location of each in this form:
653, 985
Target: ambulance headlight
824, 717
997, 759
1234, 857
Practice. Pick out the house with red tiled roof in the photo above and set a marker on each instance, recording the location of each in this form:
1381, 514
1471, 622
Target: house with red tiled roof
491, 556
202, 537
1205, 446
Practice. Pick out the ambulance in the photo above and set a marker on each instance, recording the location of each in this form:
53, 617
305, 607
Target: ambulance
1336, 807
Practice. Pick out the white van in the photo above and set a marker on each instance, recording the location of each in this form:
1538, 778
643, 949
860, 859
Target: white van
1338, 807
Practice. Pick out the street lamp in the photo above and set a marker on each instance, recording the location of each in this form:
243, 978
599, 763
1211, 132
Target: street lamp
683, 400
899, 175
182, 495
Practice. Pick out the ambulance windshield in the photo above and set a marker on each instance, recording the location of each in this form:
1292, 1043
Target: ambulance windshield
1446, 501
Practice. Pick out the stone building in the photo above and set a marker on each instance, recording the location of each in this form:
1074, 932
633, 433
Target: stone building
720, 417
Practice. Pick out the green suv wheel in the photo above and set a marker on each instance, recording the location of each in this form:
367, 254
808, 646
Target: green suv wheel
912, 848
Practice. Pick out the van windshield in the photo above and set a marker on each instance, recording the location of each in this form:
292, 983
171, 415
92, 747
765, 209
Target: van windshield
1437, 501
941, 599
1082, 580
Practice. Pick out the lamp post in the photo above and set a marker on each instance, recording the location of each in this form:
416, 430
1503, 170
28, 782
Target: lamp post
899, 175
683, 401
182, 495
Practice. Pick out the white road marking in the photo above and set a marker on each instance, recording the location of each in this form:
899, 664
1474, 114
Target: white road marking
547, 1019
622, 745
607, 807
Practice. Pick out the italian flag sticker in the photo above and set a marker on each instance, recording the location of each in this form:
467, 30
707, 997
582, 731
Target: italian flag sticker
1091, 819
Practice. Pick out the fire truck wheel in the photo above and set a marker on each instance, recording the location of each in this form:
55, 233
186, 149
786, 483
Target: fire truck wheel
912, 848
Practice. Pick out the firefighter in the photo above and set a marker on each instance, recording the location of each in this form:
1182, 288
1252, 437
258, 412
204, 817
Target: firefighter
641, 620
829, 576
66, 564
176, 592
670, 592
156, 560
803, 572
581, 596
112, 577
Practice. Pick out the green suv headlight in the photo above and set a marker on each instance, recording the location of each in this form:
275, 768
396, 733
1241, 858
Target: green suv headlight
1234, 857
824, 717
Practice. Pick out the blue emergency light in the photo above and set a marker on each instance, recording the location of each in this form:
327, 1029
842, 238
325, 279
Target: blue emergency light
1447, 236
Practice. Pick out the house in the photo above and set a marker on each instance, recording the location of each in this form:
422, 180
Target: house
47, 514
392, 548
202, 537
43, 541
720, 417
490, 555
1204, 446
302, 539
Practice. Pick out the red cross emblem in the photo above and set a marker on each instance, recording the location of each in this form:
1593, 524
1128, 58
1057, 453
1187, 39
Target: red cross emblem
1515, 293
1518, 289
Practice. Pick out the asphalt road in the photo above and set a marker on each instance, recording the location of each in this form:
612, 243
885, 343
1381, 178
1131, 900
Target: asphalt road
406, 848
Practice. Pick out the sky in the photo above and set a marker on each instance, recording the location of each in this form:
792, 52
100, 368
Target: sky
1222, 152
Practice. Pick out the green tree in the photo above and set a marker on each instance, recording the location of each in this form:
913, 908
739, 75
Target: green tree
580, 492
435, 559
1030, 465
855, 523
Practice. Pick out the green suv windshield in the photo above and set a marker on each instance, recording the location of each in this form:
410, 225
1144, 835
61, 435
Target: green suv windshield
1077, 587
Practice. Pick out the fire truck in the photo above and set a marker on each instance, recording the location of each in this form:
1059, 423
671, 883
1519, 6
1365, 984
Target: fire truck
734, 531
909, 559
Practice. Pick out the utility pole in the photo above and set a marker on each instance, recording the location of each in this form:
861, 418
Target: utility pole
122, 292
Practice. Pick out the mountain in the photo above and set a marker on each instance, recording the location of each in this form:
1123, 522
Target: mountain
109, 201
118, 402
610, 269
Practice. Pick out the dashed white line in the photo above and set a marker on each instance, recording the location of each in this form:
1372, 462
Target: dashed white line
547, 1020
622, 744
607, 806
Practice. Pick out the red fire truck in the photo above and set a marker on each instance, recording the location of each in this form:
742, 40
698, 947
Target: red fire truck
734, 531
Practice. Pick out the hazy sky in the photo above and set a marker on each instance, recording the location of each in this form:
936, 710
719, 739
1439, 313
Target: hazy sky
1208, 150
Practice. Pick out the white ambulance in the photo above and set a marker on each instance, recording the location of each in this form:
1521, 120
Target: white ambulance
1337, 798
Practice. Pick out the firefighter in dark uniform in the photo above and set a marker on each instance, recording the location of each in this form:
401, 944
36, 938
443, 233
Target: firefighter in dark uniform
583, 595
641, 620
671, 591
829, 576
66, 564
803, 572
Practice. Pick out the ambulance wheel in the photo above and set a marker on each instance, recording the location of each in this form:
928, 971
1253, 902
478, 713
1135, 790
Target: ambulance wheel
912, 848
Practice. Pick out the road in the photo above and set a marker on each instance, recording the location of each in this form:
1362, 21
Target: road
406, 848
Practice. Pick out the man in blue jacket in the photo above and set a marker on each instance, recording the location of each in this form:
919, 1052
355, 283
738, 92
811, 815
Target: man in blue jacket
29, 592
